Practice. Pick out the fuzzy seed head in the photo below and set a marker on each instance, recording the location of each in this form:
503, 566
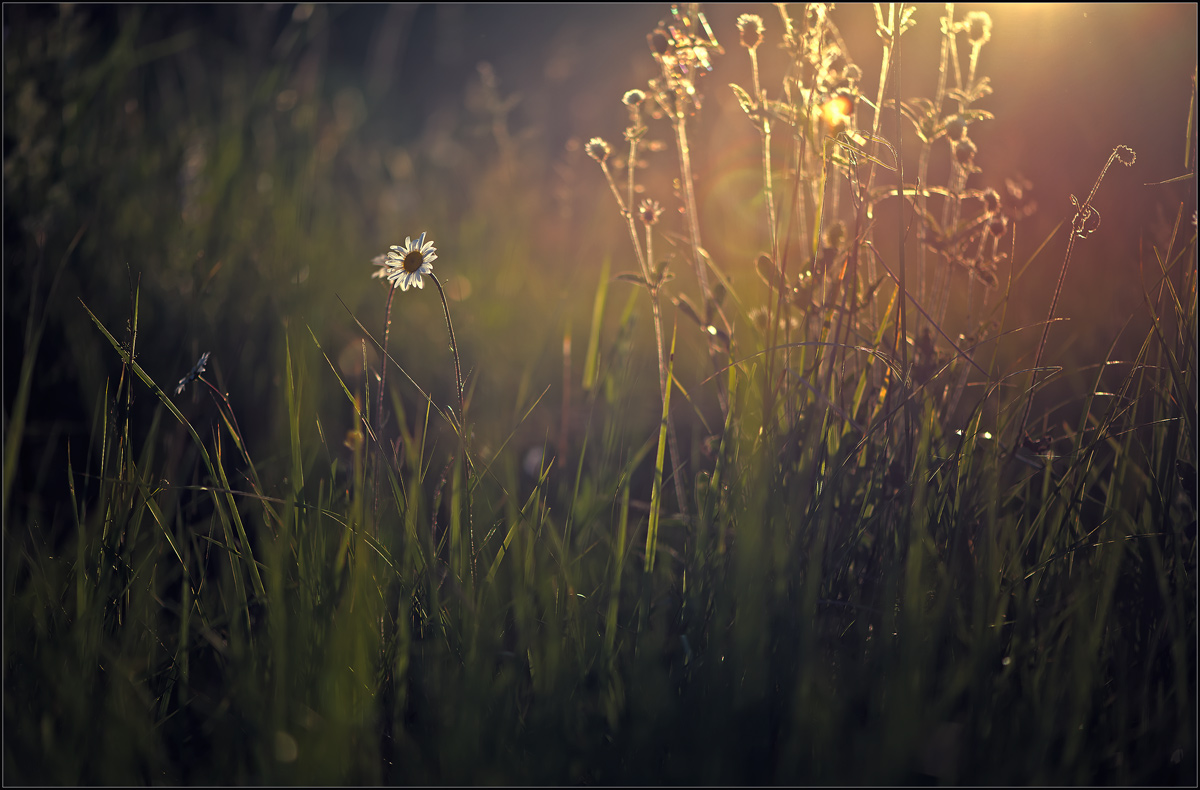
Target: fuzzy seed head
649, 212
598, 149
750, 29
979, 28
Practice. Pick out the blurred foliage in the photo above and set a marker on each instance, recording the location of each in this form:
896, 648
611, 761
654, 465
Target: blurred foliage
215, 163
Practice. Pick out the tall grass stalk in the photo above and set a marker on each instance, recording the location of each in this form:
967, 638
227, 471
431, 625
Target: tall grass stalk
1085, 222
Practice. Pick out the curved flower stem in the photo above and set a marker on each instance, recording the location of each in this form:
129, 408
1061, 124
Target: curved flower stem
462, 418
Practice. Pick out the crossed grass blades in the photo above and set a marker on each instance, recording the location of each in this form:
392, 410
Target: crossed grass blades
832, 554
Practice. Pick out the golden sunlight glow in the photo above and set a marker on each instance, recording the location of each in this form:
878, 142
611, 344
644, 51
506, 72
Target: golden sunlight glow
836, 113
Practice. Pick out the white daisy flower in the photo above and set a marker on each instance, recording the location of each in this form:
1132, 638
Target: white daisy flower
404, 265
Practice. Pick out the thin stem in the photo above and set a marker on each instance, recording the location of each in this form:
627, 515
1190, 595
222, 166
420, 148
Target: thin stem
769, 194
689, 199
768, 186
627, 213
884, 70
664, 383
387, 328
645, 262
1080, 229
901, 338
462, 416
927, 145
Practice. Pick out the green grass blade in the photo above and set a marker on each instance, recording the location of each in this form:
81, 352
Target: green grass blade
591, 364
656, 491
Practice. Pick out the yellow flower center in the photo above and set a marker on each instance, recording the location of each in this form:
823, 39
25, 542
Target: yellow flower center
412, 261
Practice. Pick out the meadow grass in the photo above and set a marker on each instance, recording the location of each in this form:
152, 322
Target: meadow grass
825, 545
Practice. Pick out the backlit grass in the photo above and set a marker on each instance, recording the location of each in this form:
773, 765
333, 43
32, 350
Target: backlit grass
657, 485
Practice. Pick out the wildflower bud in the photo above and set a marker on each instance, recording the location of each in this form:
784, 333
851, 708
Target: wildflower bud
750, 28
597, 149
633, 98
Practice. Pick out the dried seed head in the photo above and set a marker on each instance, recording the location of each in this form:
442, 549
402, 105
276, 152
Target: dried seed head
991, 201
597, 149
998, 225
649, 211
979, 28
633, 98
750, 28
